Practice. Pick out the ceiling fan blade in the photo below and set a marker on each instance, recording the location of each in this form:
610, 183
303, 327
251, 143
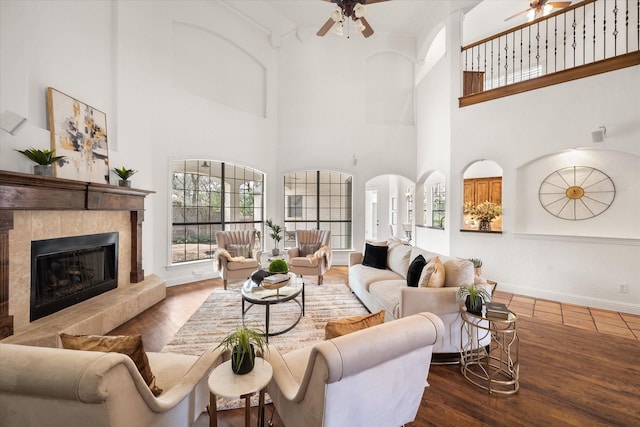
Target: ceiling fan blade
559, 4
365, 2
517, 14
326, 27
368, 31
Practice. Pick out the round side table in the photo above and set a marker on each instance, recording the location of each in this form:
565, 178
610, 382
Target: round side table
494, 367
224, 383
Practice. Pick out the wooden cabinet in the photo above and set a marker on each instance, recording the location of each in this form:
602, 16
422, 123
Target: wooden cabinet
478, 190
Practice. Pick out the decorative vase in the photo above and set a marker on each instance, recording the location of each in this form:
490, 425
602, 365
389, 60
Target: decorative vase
124, 183
241, 362
485, 225
43, 170
474, 306
275, 251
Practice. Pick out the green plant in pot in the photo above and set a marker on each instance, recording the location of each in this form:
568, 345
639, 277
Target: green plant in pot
243, 343
278, 266
477, 265
276, 235
44, 159
124, 174
474, 296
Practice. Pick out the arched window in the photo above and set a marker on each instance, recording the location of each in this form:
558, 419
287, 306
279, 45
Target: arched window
208, 196
320, 200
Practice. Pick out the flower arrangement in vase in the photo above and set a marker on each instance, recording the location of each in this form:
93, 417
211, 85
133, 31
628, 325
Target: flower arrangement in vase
484, 212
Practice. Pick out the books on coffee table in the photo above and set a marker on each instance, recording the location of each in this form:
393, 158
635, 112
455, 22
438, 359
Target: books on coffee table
497, 310
276, 278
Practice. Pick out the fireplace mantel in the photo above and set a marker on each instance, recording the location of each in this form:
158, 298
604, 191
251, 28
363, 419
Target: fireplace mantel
19, 191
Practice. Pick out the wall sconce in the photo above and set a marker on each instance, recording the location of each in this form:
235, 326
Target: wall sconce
11, 122
598, 135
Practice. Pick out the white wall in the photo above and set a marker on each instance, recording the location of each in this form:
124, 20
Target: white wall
580, 262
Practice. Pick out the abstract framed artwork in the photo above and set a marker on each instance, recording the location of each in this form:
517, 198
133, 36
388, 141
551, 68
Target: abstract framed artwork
78, 132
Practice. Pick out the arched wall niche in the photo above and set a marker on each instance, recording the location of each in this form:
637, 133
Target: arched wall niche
209, 65
622, 169
436, 50
389, 101
482, 196
431, 200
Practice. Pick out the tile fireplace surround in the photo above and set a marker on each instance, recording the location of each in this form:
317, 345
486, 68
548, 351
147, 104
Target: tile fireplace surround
35, 208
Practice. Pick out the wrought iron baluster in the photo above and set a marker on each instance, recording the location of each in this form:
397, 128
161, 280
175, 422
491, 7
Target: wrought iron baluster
521, 54
615, 27
574, 44
564, 42
529, 55
594, 32
546, 46
555, 44
492, 63
537, 45
506, 60
584, 35
485, 63
513, 60
604, 30
498, 62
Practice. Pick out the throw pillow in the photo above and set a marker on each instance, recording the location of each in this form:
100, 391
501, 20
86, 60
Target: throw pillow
415, 271
238, 250
129, 345
308, 248
375, 256
336, 328
433, 274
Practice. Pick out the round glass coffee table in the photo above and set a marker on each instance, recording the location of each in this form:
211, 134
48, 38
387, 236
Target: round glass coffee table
255, 294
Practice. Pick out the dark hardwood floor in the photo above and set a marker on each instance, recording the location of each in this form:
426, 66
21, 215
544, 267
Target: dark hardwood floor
568, 376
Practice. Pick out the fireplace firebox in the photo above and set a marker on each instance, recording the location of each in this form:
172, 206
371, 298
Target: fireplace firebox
69, 270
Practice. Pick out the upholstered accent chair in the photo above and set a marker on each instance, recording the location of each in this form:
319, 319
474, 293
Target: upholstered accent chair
239, 257
371, 377
42, 386
312, 254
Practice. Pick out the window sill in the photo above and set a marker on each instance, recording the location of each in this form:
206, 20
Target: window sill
481, 231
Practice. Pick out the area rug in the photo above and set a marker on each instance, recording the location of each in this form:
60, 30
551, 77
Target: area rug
222, 312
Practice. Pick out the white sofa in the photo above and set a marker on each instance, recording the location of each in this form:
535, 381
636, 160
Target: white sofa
41, 386
387, 290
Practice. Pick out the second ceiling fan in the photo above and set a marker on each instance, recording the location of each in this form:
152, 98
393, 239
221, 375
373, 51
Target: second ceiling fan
354, 9
541, 8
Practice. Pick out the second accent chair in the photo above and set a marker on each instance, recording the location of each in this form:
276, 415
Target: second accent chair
312, 255
237, 256
371, 377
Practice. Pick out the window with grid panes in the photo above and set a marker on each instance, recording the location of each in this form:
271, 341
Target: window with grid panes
323, 202
437, 205
208, 196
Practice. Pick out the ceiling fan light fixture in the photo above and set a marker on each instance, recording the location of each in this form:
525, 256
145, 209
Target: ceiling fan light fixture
531, 15
359, 10
547, 9
336, 15
359, 25
337, 29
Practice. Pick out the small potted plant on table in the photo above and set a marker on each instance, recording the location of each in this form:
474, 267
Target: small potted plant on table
243, 343
475, 296
44, 159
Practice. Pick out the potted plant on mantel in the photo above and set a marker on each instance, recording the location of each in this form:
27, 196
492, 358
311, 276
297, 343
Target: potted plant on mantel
474, 296
243, 343
276, 235
124, 175
44, 159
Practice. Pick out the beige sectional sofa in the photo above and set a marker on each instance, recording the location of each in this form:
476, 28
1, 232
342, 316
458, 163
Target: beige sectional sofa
387, 289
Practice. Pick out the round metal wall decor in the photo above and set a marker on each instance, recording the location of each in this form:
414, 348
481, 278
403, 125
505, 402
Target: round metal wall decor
577, 193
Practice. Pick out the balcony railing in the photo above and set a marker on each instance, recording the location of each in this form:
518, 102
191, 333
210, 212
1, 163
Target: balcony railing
590, 37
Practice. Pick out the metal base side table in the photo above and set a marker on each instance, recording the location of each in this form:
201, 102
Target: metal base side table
494, 367
224, 383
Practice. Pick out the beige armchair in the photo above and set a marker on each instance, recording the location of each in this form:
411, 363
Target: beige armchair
41, 386
236, 256
312, 254
372, 377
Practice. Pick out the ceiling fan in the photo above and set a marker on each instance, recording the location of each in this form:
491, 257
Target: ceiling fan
541, 8
346, 9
